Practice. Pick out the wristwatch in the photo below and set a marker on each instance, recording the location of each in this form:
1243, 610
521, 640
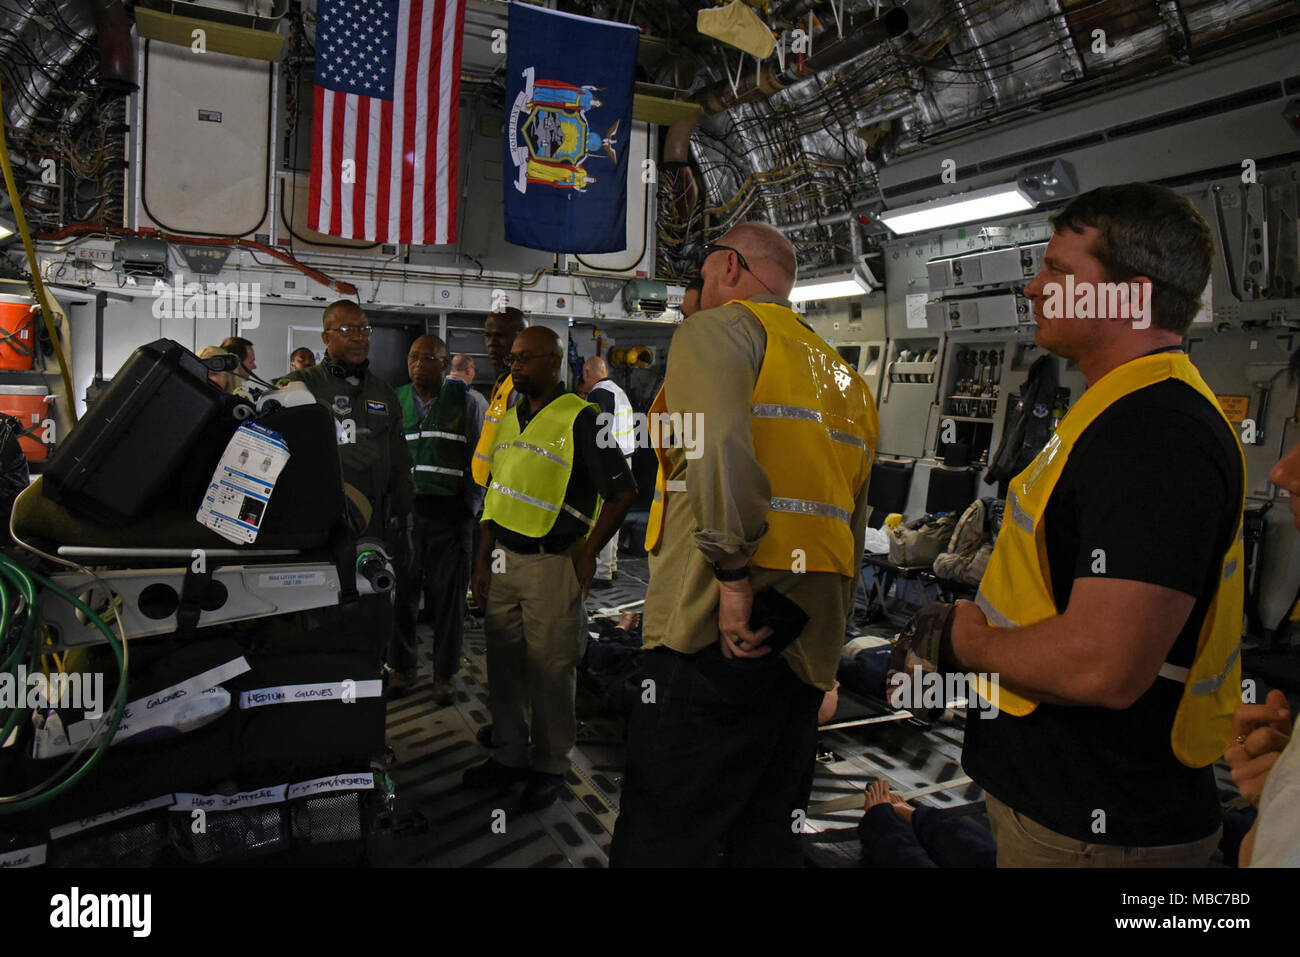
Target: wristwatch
730, 574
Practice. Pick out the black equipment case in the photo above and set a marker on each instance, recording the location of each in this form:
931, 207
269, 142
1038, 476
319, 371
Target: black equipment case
136, 436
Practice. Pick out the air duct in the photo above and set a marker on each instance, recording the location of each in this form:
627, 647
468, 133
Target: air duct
772, 77
116, 52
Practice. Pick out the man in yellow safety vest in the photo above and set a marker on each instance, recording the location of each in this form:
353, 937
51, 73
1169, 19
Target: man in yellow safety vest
758, 521
1111, 609
543, 525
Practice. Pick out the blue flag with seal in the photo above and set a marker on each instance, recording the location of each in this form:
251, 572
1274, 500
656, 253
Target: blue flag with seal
569, 120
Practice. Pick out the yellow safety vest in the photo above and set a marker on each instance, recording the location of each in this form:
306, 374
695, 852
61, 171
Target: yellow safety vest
815, 431
481, 466
530, 469
1016, 590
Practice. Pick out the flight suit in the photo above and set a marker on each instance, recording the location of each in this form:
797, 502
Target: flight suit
372, 446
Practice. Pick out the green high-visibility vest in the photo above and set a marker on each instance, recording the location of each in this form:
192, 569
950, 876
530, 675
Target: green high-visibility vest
437, 443
531, 469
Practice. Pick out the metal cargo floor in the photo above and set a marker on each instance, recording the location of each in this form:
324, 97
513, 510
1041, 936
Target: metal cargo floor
437, 823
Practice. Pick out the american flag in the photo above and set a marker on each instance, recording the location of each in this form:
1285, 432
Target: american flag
383, 158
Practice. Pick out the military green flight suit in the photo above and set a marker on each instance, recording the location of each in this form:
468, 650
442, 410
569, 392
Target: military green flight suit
372, 446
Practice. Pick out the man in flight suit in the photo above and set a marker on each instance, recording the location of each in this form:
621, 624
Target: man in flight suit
368, 423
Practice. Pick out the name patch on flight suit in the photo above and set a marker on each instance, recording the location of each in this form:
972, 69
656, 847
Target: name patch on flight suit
373, 405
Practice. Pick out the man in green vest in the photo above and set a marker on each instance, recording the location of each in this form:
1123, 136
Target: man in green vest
543, 526
441, 428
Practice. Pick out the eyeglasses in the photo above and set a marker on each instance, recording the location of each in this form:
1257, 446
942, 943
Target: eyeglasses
353, 332
521, 359
712, 248
415, 357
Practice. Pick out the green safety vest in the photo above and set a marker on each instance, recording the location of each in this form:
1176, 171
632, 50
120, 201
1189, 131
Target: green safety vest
437, 442
531, 469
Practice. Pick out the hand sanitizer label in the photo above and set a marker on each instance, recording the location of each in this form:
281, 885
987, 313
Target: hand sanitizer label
241, 487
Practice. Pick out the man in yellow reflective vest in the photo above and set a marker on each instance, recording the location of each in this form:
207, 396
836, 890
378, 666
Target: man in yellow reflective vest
543, 525
1112, 605
758, 519
499, 333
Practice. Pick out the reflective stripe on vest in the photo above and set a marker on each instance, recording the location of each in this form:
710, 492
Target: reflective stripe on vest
530, 471
811, 509
481, 466
439, 452
769, 411
624, 425
1016, 588
431, 434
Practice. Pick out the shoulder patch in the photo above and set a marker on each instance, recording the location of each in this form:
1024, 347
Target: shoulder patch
374, 405
342, 404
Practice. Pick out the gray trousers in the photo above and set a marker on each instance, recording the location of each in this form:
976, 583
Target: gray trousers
533, 626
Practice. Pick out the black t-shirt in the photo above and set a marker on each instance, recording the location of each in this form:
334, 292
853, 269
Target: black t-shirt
602, 397
596, 470
1155, 483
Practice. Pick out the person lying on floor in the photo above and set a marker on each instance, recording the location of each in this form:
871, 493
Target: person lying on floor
895, 834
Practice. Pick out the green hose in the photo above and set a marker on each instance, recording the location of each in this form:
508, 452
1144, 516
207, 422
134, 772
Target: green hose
26, 581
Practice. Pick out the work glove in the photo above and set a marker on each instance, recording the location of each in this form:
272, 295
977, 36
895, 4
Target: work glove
926, 641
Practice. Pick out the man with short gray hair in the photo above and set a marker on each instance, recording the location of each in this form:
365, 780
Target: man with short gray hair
463, 370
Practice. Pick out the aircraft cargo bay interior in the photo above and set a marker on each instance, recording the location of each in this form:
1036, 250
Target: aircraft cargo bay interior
594, 434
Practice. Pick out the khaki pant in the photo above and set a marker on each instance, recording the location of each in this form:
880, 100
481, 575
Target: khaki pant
533, 626
1023, 842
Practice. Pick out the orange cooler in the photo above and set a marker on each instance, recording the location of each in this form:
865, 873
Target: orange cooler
17, 332
29, 404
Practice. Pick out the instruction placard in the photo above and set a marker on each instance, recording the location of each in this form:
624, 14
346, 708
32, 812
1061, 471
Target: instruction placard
916, 310
236, 500
1235, 407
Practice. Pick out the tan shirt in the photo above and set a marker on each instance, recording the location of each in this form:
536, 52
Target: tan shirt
713, 366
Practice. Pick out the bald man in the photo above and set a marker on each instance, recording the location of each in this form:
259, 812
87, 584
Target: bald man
442, 426
542, 528
464, 370
766, 497
691, 298
616, 428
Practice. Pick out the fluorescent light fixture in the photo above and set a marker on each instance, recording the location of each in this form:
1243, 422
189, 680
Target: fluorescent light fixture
830, 287
7, 227
980, 204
